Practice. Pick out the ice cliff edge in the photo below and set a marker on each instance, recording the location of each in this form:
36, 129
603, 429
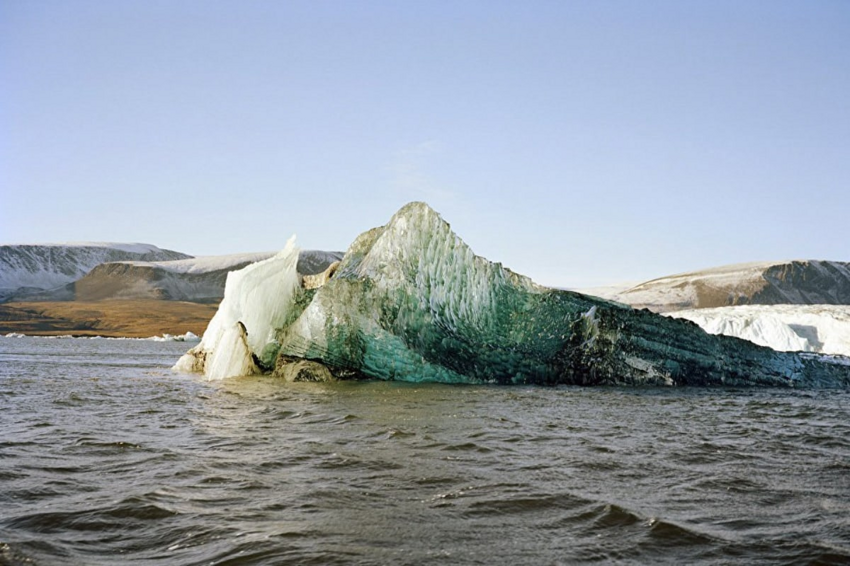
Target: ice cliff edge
410, 301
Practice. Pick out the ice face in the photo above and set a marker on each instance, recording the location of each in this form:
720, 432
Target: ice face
231, 356
257, 297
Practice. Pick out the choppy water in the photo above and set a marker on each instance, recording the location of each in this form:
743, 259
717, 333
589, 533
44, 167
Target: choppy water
106, 457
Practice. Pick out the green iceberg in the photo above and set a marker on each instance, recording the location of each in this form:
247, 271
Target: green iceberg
410, 301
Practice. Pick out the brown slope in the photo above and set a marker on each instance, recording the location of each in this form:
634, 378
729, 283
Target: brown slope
115, 318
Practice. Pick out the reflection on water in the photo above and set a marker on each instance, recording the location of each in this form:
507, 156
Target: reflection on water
107, 457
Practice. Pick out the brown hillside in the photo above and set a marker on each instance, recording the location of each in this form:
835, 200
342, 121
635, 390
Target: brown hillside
115, 318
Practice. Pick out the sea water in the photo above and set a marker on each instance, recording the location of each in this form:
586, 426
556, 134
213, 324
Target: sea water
107, 457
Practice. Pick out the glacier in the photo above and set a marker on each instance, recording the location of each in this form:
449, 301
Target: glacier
410, 301
823, 329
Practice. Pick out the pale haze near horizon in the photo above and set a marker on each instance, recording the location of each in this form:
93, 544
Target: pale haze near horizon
579, 143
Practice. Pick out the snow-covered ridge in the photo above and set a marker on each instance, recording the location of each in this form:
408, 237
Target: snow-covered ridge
309, 262
204, 264
48, 266
821, 329
129, 247
771, 283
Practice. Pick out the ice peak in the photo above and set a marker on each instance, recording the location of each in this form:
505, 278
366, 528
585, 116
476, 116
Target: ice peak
414, 207
421, 214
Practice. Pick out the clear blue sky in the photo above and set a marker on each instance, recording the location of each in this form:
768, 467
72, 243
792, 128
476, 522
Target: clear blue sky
580, 143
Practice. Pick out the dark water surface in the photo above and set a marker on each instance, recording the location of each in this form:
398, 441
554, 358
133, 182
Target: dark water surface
106, 457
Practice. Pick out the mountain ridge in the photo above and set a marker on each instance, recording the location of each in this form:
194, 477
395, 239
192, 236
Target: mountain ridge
28, 269
802, 282
94, 271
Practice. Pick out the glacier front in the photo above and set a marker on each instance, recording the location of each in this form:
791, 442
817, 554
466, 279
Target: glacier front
410, 301
822, 329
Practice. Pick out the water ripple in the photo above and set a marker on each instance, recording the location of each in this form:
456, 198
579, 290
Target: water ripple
106, 461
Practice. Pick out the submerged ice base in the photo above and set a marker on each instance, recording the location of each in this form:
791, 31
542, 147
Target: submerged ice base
410, 301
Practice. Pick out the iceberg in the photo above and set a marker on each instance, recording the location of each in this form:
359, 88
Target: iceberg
410, 301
